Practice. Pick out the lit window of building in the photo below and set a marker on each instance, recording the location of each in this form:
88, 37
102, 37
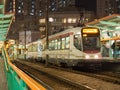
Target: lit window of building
51, 19
64, 20
69, 20
19, 11
74, 20
42, 20
42, 29
40, 13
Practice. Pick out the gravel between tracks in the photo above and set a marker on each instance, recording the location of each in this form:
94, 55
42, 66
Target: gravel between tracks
94, 83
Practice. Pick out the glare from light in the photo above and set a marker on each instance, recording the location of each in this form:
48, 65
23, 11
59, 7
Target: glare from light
96, 56
87, 56
104, 31
78, 33
51, 19
117, 27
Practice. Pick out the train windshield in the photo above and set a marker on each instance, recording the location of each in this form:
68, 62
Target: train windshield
90, 39
91, 43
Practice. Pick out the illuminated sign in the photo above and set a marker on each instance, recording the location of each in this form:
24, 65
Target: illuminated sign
84, 35
90, 30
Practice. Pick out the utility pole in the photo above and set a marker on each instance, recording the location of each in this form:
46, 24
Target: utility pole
47, 27
25, 44
81, 13
17, 47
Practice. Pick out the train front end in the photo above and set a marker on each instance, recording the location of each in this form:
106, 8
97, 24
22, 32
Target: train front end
91, 46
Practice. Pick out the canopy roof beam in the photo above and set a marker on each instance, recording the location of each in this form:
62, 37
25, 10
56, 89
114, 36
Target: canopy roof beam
110, 23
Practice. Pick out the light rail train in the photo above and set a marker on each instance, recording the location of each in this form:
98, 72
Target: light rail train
69, 47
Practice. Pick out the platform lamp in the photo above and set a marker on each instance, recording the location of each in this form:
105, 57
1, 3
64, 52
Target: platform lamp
51, 20
25, 42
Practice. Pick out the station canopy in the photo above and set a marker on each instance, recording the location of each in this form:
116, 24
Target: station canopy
108, 24
5, 21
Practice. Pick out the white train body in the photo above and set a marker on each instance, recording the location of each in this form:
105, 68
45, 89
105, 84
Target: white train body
34, 50
68, 47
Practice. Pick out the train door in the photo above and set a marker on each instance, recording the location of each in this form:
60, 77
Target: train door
39, 50
77, 41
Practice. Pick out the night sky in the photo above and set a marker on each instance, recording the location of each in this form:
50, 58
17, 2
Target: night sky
87, 4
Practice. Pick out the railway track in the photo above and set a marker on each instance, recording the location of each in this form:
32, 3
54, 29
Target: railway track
112, 77
76, 82
111, 74
51, 82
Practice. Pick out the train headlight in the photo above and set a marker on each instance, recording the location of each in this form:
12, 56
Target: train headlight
96, 56
87, 56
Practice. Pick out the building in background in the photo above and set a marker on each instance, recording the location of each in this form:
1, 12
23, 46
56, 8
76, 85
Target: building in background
107, 7
29, 37
30, 15
117, 6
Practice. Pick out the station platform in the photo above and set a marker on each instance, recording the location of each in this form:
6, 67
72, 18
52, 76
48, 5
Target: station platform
3, 81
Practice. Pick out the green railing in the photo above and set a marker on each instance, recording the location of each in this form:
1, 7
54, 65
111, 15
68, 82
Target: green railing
18, 80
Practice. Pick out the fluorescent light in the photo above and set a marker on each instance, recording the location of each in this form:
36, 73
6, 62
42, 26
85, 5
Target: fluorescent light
117, 27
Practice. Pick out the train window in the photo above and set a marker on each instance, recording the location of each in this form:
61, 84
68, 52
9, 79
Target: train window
33, 47
36, 47
40, 47
44, 46
63, 43
59, 43
55, 45
50, 45
91, 43
77, 41
28, 48
67, 42
19, 51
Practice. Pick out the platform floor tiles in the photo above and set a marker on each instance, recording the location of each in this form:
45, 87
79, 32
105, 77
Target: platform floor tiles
3, 82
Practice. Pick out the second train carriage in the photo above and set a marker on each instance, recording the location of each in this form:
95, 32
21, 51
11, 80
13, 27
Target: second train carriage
69, 47
34, 50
